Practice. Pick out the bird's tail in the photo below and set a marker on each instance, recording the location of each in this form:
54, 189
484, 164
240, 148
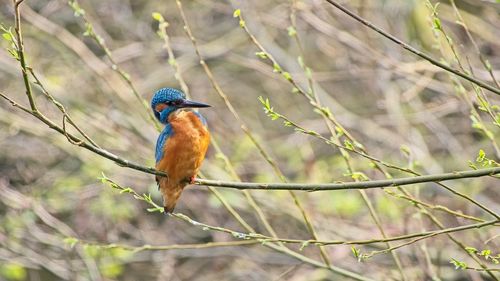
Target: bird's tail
171, 192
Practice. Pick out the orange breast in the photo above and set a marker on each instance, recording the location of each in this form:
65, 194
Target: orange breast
185, 150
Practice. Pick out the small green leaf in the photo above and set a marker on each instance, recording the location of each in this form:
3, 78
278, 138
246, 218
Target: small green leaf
480, 156
471, 165
437, 23
126, 190
91, 250
88, 30
71, 241
405, 149
458, 264
155, 209
287, 76
348, 144
111, 270
276, 67
308, 73
291, 31
261, 55
14, 54
488, 64
157, 16
7, 37
359, 176
78, 11
326, 111
13, 271
359, 145
126, 75
237, 13
303, 245
485, 253
356, 253
339, 130
300, 60
471, 250
103, 178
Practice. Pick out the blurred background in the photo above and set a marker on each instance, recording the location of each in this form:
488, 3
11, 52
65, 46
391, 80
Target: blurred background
399, 107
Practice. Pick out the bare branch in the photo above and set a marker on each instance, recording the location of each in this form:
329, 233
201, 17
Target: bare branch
413, 50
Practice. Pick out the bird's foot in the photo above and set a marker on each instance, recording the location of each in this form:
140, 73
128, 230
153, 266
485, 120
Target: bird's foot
192, 180
168, 210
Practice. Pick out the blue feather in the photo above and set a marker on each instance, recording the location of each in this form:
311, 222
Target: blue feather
162, 139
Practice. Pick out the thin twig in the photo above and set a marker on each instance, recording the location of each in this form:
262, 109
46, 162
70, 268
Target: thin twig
114, 66
483, 60
147, 247
351, 148
61, 108
265, 239
434, 207
22, 59
100, 151
254, 141
316, 103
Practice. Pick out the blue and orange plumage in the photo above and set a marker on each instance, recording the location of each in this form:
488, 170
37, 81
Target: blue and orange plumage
181, 146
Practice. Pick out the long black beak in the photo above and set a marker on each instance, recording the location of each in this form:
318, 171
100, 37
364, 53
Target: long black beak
188, 103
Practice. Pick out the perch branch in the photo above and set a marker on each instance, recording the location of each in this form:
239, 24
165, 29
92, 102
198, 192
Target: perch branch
353, 185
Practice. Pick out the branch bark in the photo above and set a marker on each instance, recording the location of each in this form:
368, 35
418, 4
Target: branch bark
353, 185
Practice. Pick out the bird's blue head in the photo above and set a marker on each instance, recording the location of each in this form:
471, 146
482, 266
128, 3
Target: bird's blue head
167, 100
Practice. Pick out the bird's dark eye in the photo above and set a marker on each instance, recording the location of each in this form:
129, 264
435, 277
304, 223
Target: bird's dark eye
176, 102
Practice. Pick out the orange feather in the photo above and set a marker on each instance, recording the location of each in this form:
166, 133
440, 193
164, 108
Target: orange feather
183, 152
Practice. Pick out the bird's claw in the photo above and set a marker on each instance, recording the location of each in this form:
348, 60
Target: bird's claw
168, 211
192, 180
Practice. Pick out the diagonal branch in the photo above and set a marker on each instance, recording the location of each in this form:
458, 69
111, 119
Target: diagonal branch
413, 50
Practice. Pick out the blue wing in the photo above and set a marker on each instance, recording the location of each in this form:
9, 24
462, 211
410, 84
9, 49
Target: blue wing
162, 139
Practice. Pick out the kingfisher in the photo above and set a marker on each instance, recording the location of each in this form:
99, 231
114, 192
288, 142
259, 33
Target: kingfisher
181, 146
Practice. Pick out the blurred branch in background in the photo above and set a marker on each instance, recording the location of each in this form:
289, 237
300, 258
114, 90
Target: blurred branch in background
388, 122
415, 51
